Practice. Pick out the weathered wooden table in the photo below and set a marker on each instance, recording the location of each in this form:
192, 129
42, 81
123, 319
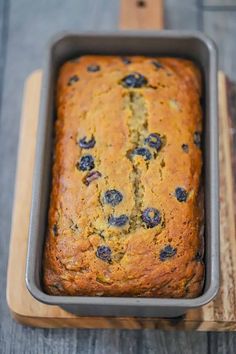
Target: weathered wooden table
24, 27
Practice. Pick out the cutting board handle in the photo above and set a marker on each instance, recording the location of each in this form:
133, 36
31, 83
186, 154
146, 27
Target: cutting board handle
141, 14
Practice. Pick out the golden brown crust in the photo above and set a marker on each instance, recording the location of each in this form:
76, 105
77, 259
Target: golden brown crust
120, 119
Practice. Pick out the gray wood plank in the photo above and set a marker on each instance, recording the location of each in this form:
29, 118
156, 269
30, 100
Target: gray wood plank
4, 7
182, 14
174, 342
60, 341
222, 343
221, 27
219, 2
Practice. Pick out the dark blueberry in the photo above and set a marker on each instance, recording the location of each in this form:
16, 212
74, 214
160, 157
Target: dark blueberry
151, 217
104, 253
198, 256
93, 68
142, 152
181, 194
126, 60
84, 144
157, 64
113, 197
197, 139
55, 230
134, 80
91, 176
154, 141
118, 220
167, 252
72, 80
185, 147
86, 163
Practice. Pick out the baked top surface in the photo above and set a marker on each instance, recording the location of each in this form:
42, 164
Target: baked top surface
112, 105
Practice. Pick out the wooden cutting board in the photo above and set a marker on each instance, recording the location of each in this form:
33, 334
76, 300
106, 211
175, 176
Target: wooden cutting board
216, 316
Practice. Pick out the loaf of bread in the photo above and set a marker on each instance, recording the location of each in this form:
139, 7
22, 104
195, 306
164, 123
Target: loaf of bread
126, 212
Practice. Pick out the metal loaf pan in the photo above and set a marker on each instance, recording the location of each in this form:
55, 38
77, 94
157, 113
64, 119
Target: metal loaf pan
192, 45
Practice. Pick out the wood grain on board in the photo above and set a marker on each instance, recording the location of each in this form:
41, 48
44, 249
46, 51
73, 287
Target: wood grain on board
141, 14
217, 316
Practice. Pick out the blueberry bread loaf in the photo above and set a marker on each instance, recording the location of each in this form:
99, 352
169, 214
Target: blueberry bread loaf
125, 216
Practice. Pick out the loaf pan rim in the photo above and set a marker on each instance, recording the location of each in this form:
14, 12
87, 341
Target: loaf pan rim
196, 302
